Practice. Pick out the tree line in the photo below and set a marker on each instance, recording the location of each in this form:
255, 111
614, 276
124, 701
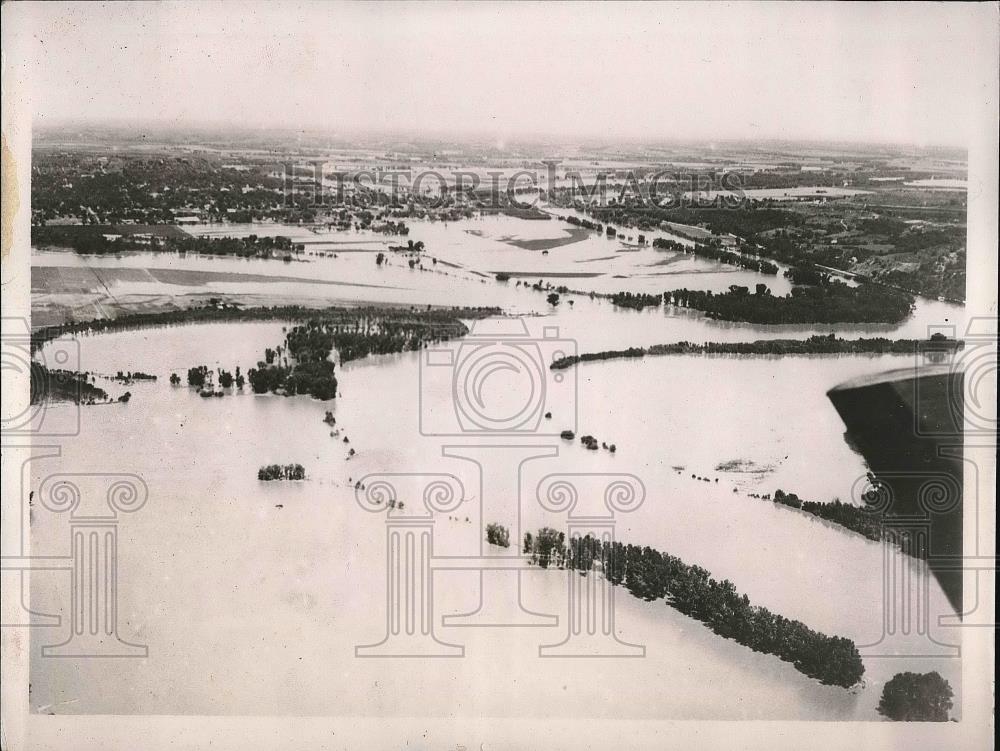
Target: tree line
712, 251
860, 519
835, 302
102, 240
817, 344
653, 575
217, 311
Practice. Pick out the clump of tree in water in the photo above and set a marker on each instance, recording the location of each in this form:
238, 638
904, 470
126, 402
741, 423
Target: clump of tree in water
916, 697
546, 548
834, 302
281, 472
636, 300
652, 575
197, 376
57, 385
497, 534
303, 366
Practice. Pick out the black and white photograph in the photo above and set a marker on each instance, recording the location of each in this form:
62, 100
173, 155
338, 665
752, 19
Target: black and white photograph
455, 375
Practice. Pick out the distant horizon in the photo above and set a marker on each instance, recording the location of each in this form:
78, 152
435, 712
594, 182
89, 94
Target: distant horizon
474, 137
882, 74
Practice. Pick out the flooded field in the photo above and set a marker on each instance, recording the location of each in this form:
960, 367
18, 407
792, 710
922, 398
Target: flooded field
251, 596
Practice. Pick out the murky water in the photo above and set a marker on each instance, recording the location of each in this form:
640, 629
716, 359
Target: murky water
252, 596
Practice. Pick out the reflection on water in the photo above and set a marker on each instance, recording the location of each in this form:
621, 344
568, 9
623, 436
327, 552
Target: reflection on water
252, 596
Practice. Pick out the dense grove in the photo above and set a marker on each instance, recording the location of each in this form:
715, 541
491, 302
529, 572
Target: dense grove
916, 697
835, 302
818, 344
56, 385
302, 364
497, 534
652, 575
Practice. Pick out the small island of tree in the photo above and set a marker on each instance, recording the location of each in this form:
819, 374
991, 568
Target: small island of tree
916, 697
497, 534
281, 472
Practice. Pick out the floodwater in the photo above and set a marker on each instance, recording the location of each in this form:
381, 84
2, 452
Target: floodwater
252, 596
468, 253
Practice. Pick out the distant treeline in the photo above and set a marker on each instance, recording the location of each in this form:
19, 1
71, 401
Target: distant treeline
636, 300
832, 302
829, 344
89, 239
708, 250
219, 312
652, 575
585, 223
128, 377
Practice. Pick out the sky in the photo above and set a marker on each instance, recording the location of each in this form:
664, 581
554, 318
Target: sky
844, 72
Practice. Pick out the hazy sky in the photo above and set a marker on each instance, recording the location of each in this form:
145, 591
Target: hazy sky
833, 71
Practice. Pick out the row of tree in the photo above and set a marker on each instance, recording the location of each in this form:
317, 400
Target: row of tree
636, 300
653, 575
712, 251
103, 240
818, 344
